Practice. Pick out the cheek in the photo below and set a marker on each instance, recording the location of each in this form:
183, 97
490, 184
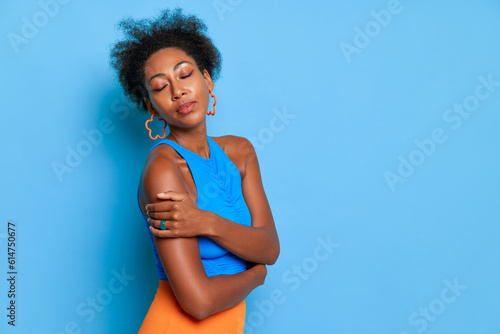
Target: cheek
204, 97
161, 105
202, 91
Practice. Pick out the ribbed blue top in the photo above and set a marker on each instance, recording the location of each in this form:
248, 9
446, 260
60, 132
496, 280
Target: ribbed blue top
218, 185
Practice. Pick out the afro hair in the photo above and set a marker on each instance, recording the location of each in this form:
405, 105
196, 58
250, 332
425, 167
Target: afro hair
171, 29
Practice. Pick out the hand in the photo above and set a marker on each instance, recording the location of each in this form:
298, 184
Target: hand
261, 271
182, 216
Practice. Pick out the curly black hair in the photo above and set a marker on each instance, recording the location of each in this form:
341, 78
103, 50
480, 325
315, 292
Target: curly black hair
147, 36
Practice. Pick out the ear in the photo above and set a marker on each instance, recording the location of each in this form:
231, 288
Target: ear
151, 109
208, 80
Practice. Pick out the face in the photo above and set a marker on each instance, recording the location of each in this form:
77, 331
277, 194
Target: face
177, 89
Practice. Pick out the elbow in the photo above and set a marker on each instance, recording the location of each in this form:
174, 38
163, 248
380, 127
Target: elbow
271, 261
200, 314
199, 307
273, 255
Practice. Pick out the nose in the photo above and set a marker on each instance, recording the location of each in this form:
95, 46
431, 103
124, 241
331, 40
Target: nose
178, 90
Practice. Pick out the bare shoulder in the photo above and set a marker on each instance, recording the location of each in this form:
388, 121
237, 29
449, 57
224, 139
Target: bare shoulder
161, 172
160, 159
239, 149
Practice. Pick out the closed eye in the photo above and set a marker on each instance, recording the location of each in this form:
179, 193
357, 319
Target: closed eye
183, 77
187, 75
159, 89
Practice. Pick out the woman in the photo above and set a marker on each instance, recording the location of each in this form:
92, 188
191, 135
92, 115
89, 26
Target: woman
209, 220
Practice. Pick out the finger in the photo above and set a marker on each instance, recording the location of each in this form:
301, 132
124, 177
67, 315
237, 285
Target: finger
162, 233
172, 195
159, 207
156, 223
167, 215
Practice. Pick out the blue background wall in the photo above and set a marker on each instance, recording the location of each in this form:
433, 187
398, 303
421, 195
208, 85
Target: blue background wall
376, 127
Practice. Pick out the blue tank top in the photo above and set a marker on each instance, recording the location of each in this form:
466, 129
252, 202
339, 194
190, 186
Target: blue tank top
218, 187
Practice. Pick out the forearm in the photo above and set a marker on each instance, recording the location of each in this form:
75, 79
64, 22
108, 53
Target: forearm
213, 294
198, 294
227, 291
254, 244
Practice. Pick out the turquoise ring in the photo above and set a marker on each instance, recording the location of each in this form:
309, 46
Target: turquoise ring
162, 225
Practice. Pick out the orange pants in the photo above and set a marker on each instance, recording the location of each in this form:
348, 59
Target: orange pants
165, 315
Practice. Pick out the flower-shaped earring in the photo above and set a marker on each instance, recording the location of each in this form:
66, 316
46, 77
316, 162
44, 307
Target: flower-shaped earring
215, 102
164, 126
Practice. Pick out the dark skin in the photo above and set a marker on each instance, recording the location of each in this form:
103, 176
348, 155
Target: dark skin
172, 79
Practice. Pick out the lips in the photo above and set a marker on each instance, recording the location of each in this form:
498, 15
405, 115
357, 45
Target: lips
185, 108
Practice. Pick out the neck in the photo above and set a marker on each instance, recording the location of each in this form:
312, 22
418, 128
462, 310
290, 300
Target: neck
193, 139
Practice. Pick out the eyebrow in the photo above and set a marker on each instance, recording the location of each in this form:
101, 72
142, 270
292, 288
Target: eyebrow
175, 67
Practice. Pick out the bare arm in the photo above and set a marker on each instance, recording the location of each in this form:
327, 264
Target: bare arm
258, 243
198, 294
